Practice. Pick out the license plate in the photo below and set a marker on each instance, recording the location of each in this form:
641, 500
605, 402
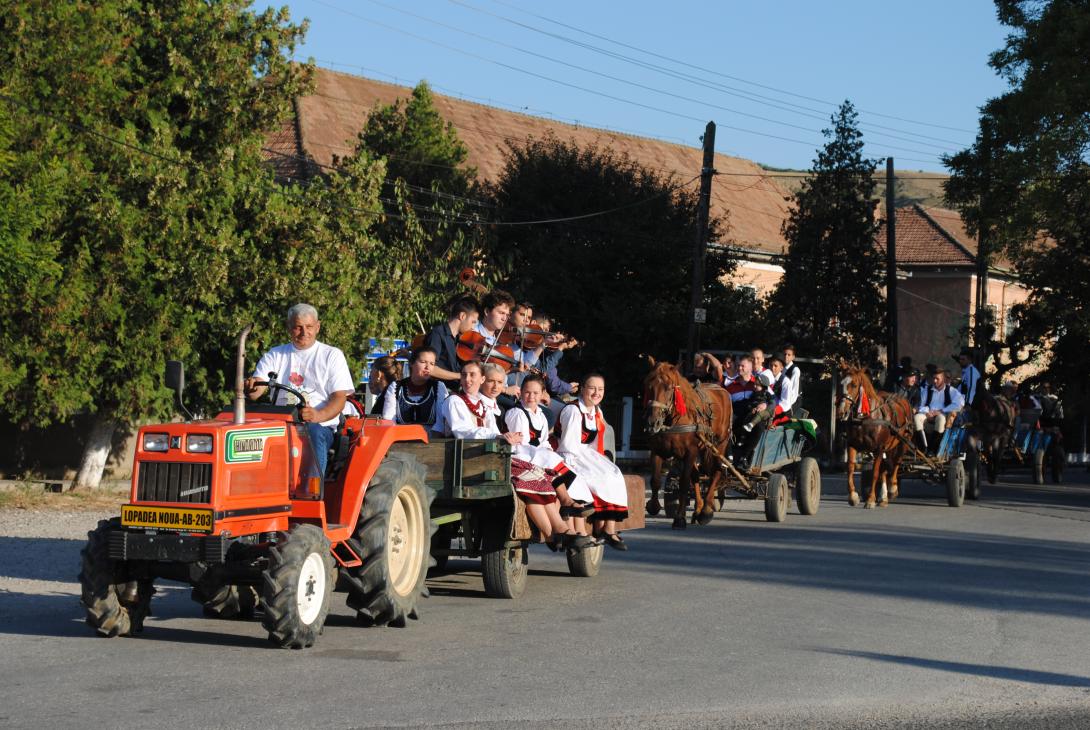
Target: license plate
167, 518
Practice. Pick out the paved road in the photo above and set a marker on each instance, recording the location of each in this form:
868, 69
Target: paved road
917, 615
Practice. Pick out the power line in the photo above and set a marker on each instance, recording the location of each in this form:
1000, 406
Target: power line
561, 82
723, 75
805, 111
619, 79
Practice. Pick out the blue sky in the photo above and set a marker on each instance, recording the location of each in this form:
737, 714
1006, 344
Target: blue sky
902, 64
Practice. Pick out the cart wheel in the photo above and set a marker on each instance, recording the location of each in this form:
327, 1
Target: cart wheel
955, 483
972, 472
1057, 460
808, 486
504, 572
776, 501
1039, 466
585, 563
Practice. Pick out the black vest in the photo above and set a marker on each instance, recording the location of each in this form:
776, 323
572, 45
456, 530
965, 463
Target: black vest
422, 411
535, 434
931, 391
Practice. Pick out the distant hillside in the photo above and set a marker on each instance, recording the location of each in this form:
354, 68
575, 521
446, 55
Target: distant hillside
913, 186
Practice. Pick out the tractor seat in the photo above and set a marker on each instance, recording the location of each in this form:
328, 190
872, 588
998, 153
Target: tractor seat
338, 450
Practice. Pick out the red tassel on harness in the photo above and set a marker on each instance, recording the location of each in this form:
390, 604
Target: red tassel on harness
679, 402
864, 404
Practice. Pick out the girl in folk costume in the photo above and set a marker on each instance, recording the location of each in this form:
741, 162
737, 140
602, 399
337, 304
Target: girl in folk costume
471, 415
417, 398
528, 418
581, 444
495, 380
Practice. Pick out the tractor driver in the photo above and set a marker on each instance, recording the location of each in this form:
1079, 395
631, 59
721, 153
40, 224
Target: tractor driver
317, 370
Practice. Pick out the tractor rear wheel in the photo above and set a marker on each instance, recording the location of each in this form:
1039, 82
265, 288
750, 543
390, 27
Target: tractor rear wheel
298, 585
394, 532
115, 606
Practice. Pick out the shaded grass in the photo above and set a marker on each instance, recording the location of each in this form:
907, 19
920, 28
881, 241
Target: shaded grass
38, 496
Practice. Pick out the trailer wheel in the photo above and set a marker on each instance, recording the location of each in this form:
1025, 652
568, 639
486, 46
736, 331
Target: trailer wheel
1039, 466
808, 486
223, 600
587, 562
504, 572
298, 585
394, 531
776, 501
114, 606
955, 483
972, 472
1057, 459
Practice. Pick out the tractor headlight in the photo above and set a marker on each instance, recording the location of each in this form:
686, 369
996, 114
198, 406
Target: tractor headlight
199, 443
156, 442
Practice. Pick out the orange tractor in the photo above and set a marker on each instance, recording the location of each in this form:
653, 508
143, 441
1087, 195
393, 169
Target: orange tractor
233, 506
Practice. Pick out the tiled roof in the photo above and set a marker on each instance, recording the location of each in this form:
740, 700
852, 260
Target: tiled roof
924, 239
329, 120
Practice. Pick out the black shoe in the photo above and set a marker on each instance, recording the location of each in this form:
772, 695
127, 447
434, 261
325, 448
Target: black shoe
577, 509
615, 542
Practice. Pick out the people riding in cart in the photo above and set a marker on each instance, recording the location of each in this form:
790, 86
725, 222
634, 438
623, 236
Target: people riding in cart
317, 370
939, 405
417, 398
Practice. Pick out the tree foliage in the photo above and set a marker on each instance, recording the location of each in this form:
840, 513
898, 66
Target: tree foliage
829, 299
429, 194
141, 220
1025, 182
619, 281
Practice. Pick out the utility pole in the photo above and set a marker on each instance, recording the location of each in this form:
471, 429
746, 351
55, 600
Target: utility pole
891, 268
697, 313
980, 331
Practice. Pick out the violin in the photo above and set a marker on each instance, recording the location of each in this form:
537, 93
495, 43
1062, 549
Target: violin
473, 346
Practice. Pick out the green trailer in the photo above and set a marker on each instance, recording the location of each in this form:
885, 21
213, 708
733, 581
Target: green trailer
477, 514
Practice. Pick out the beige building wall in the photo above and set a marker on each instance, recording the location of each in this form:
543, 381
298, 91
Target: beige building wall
762, 277
932, 317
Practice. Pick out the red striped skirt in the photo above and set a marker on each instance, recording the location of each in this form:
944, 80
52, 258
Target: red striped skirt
533, 484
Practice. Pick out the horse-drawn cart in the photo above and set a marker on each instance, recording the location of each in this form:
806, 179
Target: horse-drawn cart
777, 468
476, 506
955, 465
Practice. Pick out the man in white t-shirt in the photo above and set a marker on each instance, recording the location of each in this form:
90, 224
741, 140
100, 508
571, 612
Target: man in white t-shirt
317, 370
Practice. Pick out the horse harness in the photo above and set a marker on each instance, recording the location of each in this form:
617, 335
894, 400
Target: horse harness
702, 416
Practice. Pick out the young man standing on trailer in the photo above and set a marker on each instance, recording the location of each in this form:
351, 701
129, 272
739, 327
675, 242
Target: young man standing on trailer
462, 316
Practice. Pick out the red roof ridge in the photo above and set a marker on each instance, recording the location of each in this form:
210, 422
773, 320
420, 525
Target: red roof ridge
947, 234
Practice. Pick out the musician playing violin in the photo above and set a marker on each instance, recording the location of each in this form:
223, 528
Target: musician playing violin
496, 308
463, 313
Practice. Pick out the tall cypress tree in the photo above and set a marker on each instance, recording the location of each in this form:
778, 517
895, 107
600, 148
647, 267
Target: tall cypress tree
829, 299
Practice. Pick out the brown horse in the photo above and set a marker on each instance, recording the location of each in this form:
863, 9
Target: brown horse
874, 420
690, 424
993, 419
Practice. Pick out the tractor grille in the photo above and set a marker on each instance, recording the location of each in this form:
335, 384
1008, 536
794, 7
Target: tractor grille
174, 482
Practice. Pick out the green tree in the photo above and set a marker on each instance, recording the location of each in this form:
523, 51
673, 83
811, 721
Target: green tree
620, 281
1025, 182
429, 194
829, 300
156, 113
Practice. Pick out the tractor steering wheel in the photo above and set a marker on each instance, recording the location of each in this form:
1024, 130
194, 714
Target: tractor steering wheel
273, 386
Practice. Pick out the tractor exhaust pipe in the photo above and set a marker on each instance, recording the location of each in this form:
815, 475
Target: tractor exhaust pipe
240, 375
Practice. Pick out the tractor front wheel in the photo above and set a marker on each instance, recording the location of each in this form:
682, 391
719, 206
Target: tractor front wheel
298, 585
115, 606
394, 531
